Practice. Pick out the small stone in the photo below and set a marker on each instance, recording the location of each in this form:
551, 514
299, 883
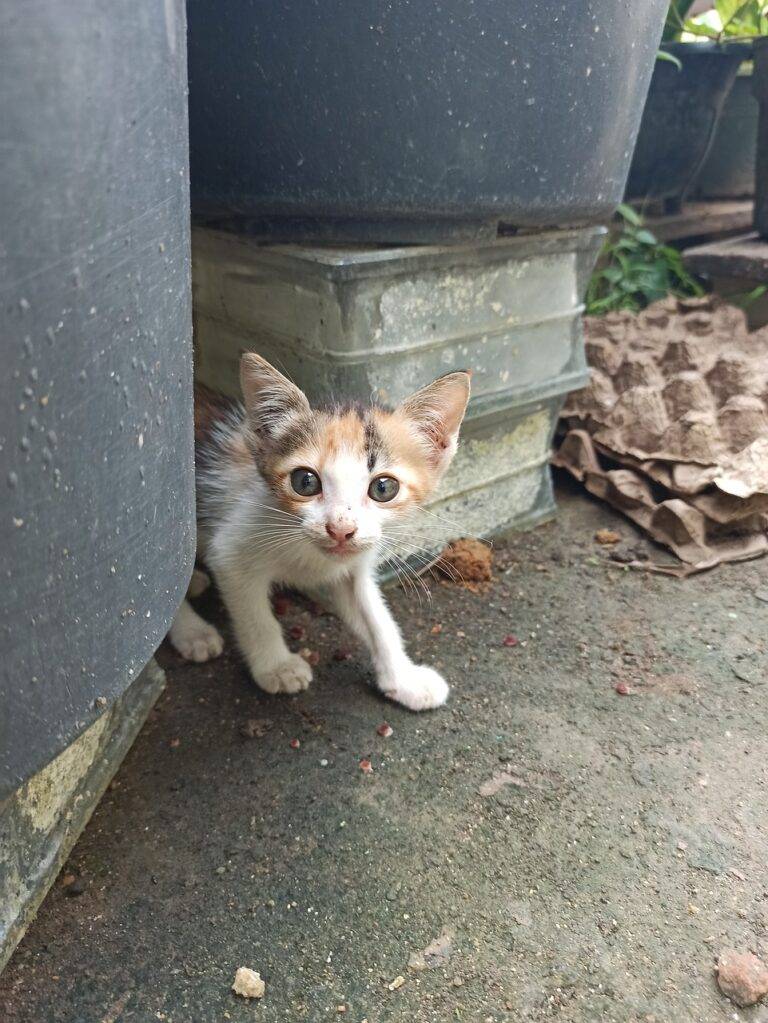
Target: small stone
762, 595
742, 977
396, 983
248, 984
255, 728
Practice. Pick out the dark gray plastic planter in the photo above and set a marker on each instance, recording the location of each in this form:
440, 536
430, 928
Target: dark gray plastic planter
760, 86
97, 523
680, 119
729, 169
415, 121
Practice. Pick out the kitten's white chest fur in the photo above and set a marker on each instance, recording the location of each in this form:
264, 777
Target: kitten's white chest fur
314, 499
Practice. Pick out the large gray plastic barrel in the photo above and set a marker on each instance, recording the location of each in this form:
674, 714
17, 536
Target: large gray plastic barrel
96, 517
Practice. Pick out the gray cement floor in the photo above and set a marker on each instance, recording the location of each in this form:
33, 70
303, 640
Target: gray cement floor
588, 853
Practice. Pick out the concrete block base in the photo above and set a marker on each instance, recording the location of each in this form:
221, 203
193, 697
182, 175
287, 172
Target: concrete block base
377, 323
41, 821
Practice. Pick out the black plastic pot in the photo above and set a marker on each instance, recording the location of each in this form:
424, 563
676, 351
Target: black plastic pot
680, 119
96, 530
760, 87
729, 169
385, 120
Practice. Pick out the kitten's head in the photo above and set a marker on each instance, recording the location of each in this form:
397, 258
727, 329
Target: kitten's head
348, 473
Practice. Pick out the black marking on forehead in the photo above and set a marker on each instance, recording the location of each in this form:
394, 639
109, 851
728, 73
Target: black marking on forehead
374, 445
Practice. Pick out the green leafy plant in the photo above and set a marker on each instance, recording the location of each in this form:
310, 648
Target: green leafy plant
635, 269
730, 20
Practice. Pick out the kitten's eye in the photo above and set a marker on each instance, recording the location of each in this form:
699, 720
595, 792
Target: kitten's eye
383, 488
305, 482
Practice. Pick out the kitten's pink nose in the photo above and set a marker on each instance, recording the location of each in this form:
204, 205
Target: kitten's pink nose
340, 531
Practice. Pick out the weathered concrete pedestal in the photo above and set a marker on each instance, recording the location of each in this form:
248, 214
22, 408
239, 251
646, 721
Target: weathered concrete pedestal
378, 323
41, 821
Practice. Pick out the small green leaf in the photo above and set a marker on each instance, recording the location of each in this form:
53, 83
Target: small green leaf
629, 214
670, 58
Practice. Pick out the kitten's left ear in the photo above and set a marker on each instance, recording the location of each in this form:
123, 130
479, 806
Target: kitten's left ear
437, 410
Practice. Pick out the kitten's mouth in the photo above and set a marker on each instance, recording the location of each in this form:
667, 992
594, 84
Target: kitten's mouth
340, 550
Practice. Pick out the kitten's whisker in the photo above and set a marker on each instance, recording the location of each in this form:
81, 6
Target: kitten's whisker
412, 578
431, 560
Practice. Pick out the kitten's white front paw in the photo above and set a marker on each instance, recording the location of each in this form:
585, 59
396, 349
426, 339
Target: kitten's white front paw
197, 640
290, 676
418, 687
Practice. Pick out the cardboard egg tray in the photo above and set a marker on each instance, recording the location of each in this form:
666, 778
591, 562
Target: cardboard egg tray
673, 427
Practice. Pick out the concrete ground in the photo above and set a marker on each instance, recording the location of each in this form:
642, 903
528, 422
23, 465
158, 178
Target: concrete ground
582, 854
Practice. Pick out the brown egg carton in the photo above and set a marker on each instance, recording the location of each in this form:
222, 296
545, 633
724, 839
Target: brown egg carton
679, 391
688, 527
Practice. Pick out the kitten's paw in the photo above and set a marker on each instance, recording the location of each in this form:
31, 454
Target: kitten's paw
197, 641
290, 676
418, 687
199, 583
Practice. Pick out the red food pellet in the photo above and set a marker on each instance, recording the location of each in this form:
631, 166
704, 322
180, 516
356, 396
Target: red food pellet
297, 632
384, 729
622, 688
366, 766
510, 640
342, 655
295, 743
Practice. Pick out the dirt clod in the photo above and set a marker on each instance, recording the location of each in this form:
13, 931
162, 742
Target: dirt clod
742, 977
606, 537
248, 983
467, 562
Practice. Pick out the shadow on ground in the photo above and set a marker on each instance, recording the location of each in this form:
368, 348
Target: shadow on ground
584, 854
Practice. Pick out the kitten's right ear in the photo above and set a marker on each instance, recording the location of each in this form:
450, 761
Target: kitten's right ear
272, 402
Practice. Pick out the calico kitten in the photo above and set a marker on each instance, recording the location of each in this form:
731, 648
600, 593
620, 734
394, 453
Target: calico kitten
304, 497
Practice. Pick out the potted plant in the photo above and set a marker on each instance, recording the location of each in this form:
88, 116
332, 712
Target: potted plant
686, 98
